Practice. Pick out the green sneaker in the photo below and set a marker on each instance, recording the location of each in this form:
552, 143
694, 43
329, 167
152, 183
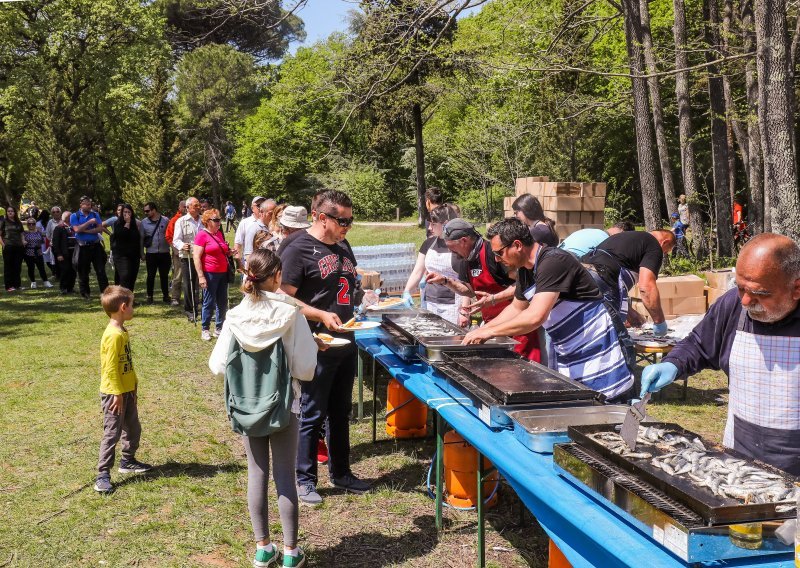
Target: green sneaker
265, 558
294, 561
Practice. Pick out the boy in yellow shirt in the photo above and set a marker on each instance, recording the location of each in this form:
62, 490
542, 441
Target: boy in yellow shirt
118, 391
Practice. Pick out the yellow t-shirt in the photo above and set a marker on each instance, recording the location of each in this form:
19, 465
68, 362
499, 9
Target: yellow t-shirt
116, 365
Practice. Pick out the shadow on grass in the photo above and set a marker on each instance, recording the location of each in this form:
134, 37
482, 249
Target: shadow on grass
176, 469
376, 549
694, 396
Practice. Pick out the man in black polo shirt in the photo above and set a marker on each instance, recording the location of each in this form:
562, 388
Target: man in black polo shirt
628, 258
320, 272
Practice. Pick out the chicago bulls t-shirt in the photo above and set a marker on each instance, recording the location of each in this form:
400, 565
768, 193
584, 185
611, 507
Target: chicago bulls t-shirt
324, 275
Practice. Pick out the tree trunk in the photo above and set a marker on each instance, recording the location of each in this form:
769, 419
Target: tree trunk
419, 148
776, 112
755, 169
688, 164
719, 134
658, 111
641, 115
736, 129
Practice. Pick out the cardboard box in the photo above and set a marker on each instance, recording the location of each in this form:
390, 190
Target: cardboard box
593, 189
593, 204
638, 307
561, 203
563, 231
592, 217
524, 185
562, 217
720, 279
508, 213
507, 202
369, 279
689, 286
684, 306
714, 294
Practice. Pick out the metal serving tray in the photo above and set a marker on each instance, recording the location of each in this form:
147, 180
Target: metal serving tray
434, 348
715, 510
399, 345
538, 429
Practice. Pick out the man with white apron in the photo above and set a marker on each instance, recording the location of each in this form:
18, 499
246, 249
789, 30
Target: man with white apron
482, 277
556, 292
753, 334
621, 260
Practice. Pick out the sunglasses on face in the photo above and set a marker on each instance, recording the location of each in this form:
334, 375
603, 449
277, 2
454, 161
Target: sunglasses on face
499, 252
215, 219
341, 221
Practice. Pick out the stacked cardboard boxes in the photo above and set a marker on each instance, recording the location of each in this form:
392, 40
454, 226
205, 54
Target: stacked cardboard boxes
719, 282
680, 295
370, 279
572, 205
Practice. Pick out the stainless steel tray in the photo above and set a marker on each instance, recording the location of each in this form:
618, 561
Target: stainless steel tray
539, 429
432, 347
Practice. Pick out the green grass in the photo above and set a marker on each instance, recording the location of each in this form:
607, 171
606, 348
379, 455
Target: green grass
361, 235
192, 510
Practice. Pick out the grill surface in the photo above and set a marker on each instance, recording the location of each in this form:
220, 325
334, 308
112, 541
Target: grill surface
509, 379
714, 509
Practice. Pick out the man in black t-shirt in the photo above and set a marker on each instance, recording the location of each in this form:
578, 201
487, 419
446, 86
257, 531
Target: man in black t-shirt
556, 292
629, 257
321, 273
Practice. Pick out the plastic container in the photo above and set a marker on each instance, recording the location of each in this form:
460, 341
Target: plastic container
461, 473
406, 417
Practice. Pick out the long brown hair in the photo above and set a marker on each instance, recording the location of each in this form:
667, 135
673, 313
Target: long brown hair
262, 264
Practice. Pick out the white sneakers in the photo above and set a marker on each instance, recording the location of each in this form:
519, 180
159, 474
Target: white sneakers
47, 284
205, 335
33, 285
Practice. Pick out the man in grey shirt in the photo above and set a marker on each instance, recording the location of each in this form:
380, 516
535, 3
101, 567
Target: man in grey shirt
263, 218
157, 250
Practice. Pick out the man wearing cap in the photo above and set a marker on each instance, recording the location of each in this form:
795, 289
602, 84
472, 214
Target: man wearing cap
556, 292
628, 258
260, 223
482, 277
752, 333
177, 267
238, 237
185, 231
88, 226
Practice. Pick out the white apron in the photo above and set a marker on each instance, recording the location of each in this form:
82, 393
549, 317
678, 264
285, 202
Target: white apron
764, 407
442, 263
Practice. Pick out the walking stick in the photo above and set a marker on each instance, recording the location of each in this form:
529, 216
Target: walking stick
191, 289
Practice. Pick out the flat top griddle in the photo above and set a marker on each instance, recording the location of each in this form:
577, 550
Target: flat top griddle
714, 509
506, 378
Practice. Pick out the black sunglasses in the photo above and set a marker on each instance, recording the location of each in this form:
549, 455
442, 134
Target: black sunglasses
215, 219
342, 221
499, 252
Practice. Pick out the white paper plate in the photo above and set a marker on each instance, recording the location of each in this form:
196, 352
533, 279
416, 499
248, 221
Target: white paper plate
359, 325
338, 342
378, 306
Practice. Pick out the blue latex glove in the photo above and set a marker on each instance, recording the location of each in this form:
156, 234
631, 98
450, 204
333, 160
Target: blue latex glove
408, 300
660, 329
656, 377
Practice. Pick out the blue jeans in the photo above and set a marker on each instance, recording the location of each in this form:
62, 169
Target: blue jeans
215, 296
329, 395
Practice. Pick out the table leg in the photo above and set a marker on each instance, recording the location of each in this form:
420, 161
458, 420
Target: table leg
479, 507
439, 468
360, 376
374, 405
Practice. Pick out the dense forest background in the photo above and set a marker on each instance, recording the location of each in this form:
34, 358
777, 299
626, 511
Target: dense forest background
138, 100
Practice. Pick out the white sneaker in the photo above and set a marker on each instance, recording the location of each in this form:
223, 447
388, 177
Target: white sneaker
217, 331
33, 285
47, 284
205, 335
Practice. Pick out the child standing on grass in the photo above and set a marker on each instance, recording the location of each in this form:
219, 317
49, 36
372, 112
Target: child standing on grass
118, 391
265, 343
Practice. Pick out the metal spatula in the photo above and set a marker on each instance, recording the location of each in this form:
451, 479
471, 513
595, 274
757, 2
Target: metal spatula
630, 427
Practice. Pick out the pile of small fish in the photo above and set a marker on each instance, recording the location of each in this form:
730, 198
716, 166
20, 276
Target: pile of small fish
426, 327
723, 476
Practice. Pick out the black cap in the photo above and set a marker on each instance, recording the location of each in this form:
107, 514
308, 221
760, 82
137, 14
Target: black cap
457, 228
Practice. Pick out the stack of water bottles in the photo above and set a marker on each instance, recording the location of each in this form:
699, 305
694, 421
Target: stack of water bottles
394, 263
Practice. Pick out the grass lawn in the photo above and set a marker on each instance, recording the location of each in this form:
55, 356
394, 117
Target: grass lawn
192, 510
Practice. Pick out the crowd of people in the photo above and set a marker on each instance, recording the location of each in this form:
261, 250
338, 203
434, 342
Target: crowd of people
289, 392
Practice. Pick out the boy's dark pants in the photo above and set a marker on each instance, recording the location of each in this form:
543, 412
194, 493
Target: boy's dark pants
125, 425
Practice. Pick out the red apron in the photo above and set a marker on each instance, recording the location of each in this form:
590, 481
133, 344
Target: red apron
483, 281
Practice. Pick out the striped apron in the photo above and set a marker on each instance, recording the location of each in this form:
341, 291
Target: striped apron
764, 407
627, 279
442, 263
584, 345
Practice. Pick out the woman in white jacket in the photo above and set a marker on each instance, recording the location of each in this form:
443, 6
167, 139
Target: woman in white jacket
261, 319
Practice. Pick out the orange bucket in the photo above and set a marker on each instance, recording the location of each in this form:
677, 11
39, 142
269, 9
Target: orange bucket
461, 473
410, 419
556, 558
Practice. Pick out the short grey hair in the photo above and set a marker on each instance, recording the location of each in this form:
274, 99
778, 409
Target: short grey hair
65, 216
783, 250
264, 207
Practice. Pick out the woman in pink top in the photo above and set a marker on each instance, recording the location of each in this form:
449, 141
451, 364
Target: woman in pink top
210, 253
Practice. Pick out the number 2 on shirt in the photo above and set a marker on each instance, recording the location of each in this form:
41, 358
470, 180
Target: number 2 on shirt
343, 297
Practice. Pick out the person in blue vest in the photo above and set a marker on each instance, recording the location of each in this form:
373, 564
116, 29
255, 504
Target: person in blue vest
752, 333
556, 292
88, 228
